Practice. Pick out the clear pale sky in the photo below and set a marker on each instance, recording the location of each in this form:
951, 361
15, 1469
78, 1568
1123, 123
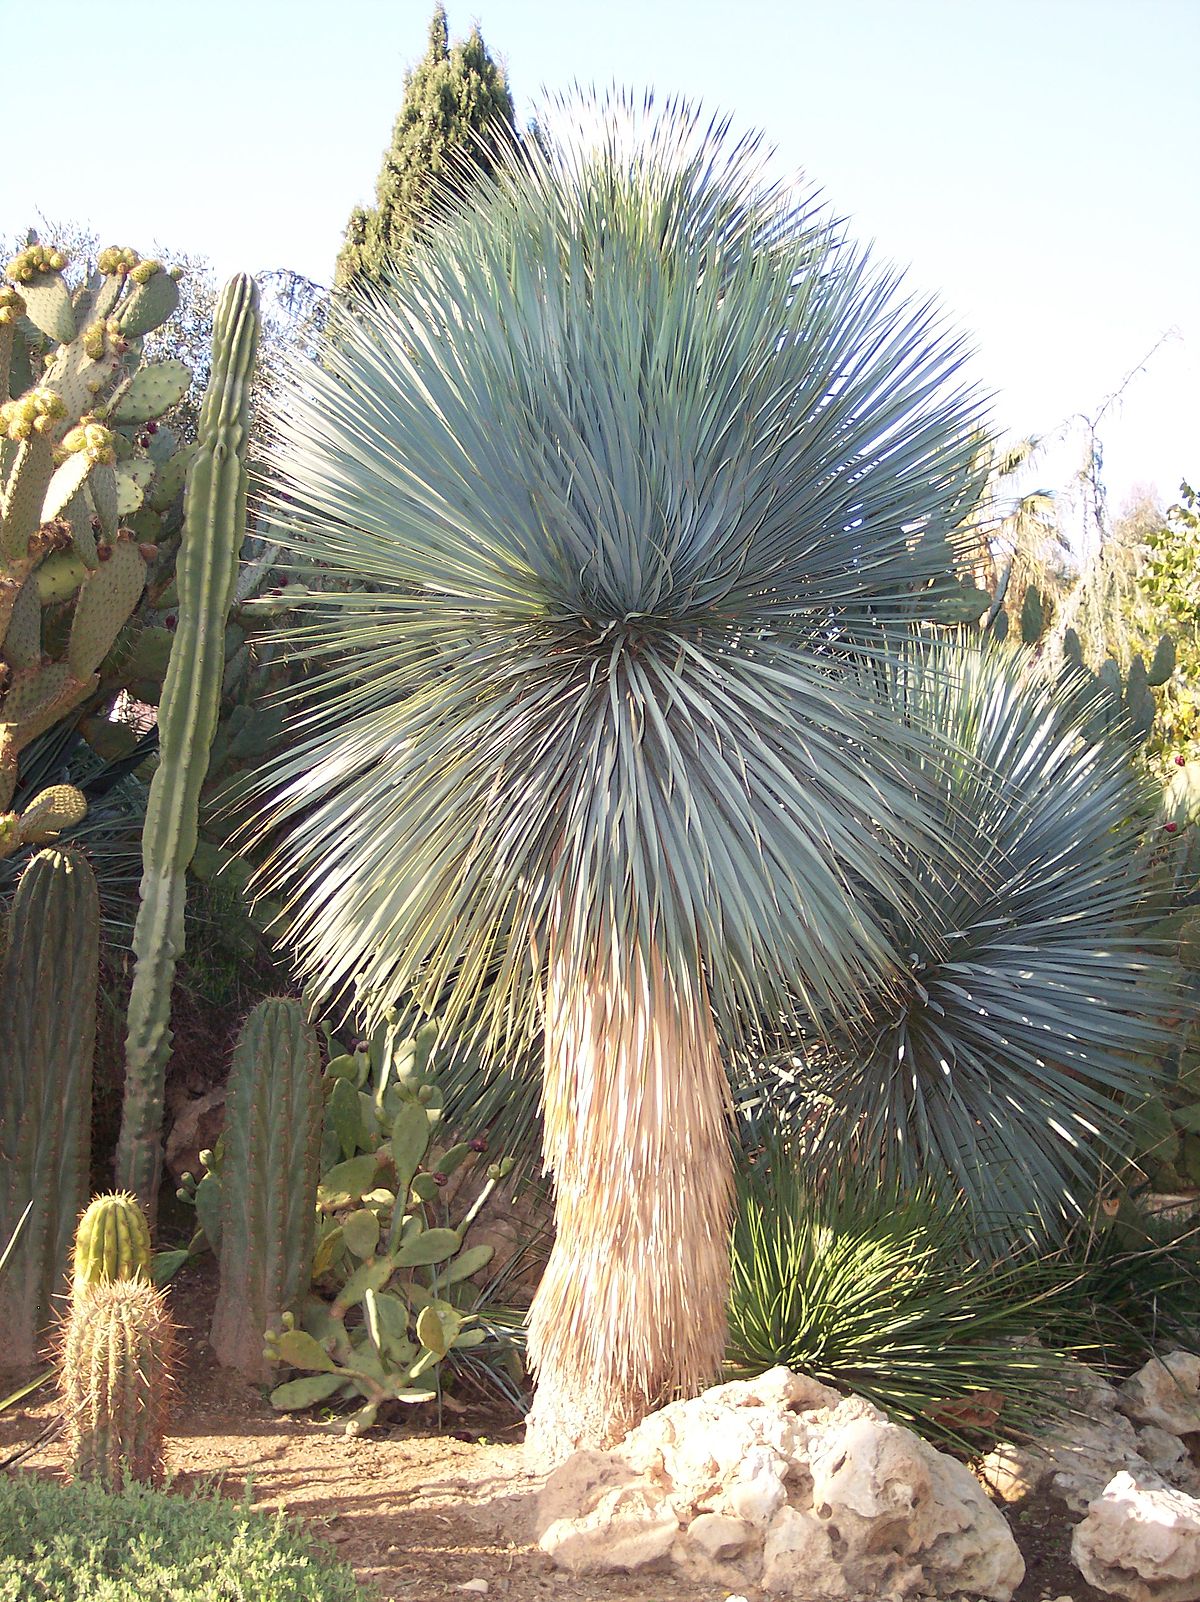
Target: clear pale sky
1035, 161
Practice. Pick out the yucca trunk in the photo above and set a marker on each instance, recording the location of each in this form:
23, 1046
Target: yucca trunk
631, 1309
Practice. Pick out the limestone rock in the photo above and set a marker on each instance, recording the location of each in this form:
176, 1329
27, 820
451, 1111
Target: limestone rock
628, 1528
1075, 1456
781, 1483
1165, 1392
1163, 1451
1141, 1543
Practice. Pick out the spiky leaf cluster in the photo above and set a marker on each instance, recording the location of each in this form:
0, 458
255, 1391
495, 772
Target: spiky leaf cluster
1035, 999
634, 452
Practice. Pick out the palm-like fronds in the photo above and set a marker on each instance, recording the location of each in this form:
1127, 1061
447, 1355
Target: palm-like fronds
1035, 999
636, 459
628, 450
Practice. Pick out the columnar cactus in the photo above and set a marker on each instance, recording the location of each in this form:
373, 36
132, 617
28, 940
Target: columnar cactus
74, 472
112, 1242
48, 985
206, 575
116, 1382
270, 1170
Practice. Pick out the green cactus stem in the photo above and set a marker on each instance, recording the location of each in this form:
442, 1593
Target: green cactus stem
47, 815
270, 1172
112, 1242
48, 981
73, 463
206, 574
116, 1385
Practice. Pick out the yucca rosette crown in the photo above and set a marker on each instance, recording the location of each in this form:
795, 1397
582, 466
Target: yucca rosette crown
1037, 999
628, 452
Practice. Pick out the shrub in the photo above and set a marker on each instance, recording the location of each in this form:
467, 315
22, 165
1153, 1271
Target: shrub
77, 1543
879, 1292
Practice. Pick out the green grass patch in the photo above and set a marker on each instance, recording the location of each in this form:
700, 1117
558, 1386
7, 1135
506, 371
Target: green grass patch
76, 1543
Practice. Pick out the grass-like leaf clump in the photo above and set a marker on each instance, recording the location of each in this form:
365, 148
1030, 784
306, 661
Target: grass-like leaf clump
879, 1292
77, 1543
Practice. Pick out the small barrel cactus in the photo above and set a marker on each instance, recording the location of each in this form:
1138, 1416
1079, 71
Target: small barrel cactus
269, 1175
112, 1242
117, 1382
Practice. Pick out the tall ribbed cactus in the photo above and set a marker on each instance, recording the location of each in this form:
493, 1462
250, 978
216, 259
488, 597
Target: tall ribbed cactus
116, 1382
206, 573
269, 1176
48, 999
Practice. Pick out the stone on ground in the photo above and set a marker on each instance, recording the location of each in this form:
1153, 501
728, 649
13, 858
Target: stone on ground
1165, 1393
1141, 1543
781, 1483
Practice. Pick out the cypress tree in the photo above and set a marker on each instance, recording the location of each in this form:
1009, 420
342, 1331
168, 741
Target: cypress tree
455, 101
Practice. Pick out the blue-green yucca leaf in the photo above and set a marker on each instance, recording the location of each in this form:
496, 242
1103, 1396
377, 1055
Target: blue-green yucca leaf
630, 451
1036, 999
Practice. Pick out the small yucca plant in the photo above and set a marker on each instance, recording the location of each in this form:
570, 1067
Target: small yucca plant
1034, 1003
879, 1292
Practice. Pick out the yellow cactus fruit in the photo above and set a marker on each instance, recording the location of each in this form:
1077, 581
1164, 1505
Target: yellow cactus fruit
36, 411
92, 438
145, 271
117, 259
12, 306
93, 340
35, 259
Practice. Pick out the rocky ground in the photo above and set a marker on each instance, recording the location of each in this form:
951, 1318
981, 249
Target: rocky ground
422, 1515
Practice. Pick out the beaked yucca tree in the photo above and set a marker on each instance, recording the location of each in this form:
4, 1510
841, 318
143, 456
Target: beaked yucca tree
633, 449
1036, 999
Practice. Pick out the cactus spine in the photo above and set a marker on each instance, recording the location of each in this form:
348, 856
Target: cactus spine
48, 981
112, 1242
271, 1166
116, 1382
206, 574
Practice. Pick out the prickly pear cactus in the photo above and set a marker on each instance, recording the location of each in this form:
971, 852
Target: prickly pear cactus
48, 985
1110, 704
111, 1242
272, 1148
386, 1241
50, 812
118, 1352
79, 466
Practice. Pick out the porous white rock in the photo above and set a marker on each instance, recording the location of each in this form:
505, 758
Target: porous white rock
1165, 1392
1074, 1456
1141, 1542
780, 1483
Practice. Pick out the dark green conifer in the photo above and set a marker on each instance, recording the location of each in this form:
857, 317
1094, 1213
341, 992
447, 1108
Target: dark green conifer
456, 100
